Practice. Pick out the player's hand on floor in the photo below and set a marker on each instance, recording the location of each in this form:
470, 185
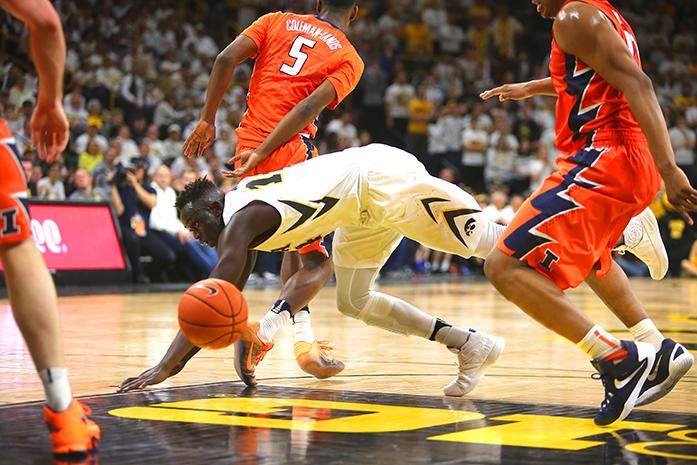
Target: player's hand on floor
681, 195
248, 160
199, 140
154, 375
49, 131
505, 92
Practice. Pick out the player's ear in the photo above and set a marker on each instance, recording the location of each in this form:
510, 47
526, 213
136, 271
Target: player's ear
216, 208
354, 13
318, 6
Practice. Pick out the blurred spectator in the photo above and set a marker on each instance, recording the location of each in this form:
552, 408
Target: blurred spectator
498, 210
51, 187
94, 124
421, 112
133, 200
418, 38
397, 98
475, 144
451, 36
84, 191
682, 139
165, 225
505, 29
373, 85
91, 157
129, 148
344, 129
224, 145
21, 91
172, 146
501, 156
76, 112
102, 171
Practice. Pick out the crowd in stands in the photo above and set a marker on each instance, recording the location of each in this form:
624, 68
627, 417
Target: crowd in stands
136, 76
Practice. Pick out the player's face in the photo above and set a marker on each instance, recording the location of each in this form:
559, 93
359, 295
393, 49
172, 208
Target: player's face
203, 223
548, 8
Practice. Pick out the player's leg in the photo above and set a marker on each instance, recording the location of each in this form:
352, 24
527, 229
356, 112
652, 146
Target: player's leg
359, 253
33, 299
673, 360
642, 238
300, 287
558, 237
34, 306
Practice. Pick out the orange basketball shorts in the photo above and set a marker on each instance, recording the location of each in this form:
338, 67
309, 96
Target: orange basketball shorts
296, 150
572, 222
14, 219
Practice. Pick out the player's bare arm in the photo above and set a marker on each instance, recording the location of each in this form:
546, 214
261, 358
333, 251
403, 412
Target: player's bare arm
521, 90
292, 123
583, 31
221, 76
49, 126
246, 228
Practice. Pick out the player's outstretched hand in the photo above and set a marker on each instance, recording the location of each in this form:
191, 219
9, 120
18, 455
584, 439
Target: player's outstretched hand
681, 195
49, 130
199, 140
154, 375
248, 160
518, 91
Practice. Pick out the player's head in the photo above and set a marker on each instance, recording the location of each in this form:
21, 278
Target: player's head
347, 8
201, 210
548, 8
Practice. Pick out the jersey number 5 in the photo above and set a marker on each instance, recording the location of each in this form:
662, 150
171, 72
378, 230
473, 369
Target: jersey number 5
296, 51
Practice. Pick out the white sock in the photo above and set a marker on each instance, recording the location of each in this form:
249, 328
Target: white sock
302, 327
276, 318
488, 239
445, 265
646, 331
598, 343
56, 388
449, 335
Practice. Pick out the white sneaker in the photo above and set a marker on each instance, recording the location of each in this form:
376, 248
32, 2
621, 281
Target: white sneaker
643, 239
473, 358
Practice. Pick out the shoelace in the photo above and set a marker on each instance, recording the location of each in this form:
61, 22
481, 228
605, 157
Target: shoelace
262, 353
608, 394
325, 348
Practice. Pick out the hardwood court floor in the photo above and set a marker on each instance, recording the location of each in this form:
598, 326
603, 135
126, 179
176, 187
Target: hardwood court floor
111, 337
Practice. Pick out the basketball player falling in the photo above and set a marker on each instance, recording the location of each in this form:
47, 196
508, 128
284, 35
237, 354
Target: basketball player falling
610, 125
31, 291
374, 195
303, 64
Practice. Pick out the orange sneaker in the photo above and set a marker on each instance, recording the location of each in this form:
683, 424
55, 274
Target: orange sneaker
70, 430
250, 350
317, 359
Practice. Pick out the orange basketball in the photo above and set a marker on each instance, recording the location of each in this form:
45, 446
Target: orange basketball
212, 314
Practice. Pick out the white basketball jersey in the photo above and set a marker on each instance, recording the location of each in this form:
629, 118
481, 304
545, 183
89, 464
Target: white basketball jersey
313, 198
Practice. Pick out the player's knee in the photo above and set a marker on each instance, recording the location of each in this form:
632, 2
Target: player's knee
350, 303
345, 305
497, 268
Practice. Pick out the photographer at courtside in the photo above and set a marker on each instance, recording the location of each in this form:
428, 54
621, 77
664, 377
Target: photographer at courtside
133, 199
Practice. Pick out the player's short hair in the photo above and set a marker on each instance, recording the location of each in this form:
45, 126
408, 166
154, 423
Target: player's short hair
340, 4
193, 191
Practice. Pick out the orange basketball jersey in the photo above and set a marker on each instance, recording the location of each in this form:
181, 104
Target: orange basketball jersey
295, 54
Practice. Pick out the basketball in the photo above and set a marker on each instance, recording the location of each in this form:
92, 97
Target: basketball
212, 314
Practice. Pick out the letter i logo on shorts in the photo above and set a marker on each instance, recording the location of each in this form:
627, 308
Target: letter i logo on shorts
9, 218
549, 260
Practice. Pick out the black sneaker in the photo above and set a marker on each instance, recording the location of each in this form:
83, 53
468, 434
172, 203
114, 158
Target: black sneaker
672, 362
623, 381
